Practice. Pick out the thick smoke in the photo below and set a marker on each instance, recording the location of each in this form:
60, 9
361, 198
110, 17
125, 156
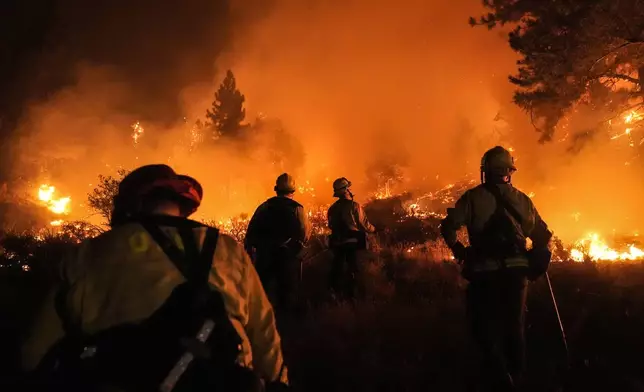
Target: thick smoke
337, 74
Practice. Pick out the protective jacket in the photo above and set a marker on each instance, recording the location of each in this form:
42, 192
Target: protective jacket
123, 276
493, 243
345, 218
276, 222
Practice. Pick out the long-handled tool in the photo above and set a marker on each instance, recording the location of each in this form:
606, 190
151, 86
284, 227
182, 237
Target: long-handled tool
561, 328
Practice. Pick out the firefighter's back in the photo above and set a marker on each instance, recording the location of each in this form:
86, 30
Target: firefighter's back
122, 277
277, 220
484, 204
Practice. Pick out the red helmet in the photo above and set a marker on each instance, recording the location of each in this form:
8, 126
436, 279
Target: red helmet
146, 179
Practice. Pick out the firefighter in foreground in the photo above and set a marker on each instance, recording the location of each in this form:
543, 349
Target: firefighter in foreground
276, 235
136, 305
497, 265
349, 228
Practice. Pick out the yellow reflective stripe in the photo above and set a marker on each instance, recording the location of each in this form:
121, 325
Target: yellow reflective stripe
138, 242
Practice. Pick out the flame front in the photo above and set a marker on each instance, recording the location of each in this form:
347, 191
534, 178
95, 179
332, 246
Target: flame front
594, 248
430, 205
58, 206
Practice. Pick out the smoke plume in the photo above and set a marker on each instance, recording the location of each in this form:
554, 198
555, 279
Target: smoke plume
337, 74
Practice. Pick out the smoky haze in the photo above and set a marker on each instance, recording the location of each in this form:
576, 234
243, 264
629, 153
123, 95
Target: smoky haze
352, 80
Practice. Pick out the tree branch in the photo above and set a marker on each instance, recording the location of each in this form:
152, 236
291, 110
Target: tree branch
617, 76
622, 46
536, 127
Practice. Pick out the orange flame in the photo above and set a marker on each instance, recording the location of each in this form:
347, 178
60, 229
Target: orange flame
593, 247
58, 206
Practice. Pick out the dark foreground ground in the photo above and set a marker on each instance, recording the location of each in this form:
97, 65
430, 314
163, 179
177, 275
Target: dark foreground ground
408, 332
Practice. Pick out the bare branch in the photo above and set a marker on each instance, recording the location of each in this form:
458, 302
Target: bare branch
536, 127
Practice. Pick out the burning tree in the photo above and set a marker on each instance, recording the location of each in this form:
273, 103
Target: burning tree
581, 55
227, 112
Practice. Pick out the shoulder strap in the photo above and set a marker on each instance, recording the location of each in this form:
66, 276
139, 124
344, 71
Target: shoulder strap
193, 264
178, 258
207, 253
503, 202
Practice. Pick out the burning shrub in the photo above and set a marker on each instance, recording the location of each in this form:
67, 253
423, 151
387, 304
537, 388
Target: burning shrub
235, 227
78, 231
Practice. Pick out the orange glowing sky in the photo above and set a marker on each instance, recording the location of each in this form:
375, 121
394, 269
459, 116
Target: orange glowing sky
338, 74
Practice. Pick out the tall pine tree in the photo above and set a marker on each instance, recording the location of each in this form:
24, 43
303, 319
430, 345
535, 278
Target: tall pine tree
588, 52
227, 112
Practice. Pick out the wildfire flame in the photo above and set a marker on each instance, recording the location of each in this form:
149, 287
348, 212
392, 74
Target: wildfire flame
430, 205
137, 132
58, 206
631, 120
593, 247
632, 116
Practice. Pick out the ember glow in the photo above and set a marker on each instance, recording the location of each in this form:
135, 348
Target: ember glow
137, 132
306, 188
630, 122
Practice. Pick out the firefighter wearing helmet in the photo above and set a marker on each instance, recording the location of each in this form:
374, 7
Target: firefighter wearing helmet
497, 264
276, 235
153, 289
349, 227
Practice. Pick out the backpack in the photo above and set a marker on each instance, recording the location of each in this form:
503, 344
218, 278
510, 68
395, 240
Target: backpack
188, 344
276, 225
340, 232
514, 237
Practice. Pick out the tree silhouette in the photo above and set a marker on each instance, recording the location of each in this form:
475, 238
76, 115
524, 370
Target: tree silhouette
101, 200
227, 112
574, 52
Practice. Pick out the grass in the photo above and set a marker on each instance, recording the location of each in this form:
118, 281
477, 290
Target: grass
407, 331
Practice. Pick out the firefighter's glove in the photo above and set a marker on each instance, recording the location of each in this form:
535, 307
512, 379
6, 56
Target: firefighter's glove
460, 252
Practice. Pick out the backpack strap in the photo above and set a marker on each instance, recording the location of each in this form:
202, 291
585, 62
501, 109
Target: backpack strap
194, 264
197, 266
208, 250
173, 252
503, 202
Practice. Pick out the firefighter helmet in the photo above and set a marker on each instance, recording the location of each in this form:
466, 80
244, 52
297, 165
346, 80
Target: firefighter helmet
285, 183
498, 160
340, 185
144, 180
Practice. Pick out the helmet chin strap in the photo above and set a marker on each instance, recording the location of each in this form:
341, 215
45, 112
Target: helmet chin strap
350, 194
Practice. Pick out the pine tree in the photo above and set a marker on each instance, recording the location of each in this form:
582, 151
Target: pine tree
574, 52
227, 112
